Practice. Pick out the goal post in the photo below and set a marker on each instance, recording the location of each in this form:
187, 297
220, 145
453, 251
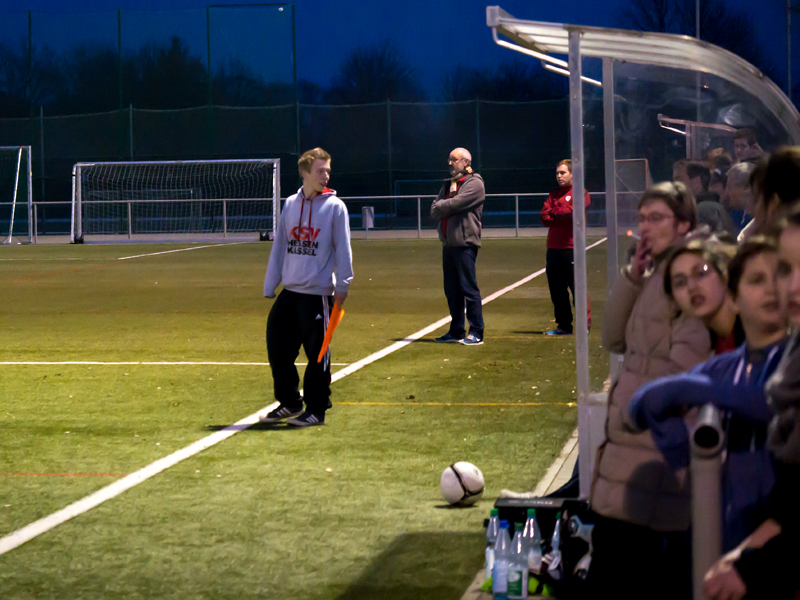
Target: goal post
16, 190
187, 200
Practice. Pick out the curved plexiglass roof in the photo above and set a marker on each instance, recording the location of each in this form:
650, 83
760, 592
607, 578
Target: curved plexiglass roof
542, 40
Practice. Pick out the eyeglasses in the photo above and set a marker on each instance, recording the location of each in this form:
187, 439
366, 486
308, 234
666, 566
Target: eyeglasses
453, 161
654, 218
698, 273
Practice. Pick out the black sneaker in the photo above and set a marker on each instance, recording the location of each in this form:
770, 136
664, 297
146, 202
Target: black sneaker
307, 419
448, 338
284, 411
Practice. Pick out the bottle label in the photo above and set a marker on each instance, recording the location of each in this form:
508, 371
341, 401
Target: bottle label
514, 582
489, 561
535, 561
500, 577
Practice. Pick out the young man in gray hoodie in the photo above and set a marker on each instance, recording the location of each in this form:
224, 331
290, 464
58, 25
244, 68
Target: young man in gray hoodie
312, 240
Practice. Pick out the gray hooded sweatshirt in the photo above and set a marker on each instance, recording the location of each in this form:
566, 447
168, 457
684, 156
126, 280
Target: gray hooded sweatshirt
311, 241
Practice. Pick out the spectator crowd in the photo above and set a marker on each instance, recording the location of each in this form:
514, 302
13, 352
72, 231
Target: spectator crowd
707, 312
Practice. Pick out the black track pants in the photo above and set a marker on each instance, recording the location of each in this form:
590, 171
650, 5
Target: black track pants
561, 281
300, 320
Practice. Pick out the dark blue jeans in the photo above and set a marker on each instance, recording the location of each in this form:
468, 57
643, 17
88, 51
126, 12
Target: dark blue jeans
460, 287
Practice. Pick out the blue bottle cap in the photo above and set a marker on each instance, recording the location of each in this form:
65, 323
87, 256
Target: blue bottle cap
503, 524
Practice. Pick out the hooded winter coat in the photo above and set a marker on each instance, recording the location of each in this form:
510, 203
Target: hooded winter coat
632, 481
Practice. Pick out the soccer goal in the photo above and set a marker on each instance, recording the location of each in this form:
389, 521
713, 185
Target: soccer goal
189, 200
15, 192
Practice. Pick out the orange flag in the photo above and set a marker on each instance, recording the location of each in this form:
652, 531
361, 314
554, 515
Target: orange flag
336, 316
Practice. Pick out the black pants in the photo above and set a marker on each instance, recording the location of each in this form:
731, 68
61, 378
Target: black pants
460, 286
632, 562
295, 320
561, 281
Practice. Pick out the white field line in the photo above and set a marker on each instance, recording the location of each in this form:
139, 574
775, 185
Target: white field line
182, 250
558, 463
146, 363
45, 524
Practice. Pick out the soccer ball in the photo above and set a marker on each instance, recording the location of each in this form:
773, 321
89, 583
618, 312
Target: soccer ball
461, 484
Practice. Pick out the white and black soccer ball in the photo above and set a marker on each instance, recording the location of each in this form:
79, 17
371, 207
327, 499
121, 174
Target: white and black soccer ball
461, 484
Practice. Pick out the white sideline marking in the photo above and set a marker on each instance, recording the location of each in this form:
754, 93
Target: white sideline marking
97, 362
552, 472
182, 250
45, 524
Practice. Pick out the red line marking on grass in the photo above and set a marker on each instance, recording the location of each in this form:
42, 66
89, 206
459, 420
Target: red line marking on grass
63, 474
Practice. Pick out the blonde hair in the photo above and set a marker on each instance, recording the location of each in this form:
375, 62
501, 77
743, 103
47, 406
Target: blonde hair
306, 161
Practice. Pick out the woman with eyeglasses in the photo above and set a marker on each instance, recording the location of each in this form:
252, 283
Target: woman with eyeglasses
765, 565
734, 382
640, 537
696, 278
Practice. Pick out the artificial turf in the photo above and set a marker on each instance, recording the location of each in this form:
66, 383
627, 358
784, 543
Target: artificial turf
349, 510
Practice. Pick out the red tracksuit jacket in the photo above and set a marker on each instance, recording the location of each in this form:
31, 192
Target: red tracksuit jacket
557, 215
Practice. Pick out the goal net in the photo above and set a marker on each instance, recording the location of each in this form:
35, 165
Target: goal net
16, 203
188, 200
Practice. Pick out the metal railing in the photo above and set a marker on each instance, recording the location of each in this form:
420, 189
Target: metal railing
515, 211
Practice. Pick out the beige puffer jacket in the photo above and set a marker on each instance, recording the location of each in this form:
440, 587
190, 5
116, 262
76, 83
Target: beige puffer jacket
631, 481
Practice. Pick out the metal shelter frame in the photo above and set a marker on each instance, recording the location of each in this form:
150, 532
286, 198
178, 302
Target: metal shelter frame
541, 40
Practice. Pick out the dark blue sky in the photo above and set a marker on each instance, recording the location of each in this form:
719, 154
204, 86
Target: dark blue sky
434, 35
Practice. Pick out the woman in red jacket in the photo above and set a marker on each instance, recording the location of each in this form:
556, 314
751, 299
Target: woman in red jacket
557, 215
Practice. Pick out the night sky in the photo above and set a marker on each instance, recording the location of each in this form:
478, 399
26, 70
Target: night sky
434, 36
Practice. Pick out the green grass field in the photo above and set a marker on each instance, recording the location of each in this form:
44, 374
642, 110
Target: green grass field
350, 510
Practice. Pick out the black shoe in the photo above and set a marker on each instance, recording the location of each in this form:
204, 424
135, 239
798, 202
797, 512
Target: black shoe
307, 419
448, 338
284, 411
557, 331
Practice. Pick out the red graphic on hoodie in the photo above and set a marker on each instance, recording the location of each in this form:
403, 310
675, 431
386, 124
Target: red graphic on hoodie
305, 233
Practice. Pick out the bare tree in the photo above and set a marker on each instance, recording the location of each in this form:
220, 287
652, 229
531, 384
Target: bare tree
719, 24
374, 74
514, 81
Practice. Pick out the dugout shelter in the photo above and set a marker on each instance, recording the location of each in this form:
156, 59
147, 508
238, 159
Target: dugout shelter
647, 84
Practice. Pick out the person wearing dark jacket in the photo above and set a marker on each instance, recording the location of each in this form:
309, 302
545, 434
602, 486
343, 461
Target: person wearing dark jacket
765, 564
557, 216
734, 382
709, 210
458, 208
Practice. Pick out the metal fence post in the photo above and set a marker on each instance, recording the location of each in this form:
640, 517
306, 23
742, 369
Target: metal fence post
516, 214
130, 226
419, 217
224, 218
35, 224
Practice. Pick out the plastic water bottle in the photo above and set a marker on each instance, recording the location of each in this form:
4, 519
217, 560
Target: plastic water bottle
491, 539
533, 536
502, 557
518, 566
556, 569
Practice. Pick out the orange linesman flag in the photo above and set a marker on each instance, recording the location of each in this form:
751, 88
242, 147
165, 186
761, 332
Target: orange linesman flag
336, 316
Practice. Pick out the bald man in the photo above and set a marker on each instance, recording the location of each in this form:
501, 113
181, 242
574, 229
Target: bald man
458, 208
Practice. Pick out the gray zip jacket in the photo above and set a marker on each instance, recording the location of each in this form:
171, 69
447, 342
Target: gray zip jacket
311, 240
462, 212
